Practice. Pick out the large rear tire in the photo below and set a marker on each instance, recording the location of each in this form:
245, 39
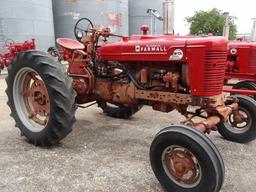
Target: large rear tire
245, 131
41, 98
183, 159
116, 111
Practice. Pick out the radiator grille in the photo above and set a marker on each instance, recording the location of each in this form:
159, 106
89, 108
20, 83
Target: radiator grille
214, 70
252, 57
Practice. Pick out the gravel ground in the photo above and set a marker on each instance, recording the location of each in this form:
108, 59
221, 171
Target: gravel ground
104, 154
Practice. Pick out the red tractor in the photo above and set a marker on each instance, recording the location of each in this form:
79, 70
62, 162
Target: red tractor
241, 65
165, 72
10, 49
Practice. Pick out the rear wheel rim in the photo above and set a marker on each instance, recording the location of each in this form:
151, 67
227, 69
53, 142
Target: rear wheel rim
181, 166
31, 99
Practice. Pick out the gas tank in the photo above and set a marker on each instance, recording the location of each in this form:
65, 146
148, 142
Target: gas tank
145, 48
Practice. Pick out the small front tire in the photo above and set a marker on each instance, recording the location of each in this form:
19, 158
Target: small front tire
183, 159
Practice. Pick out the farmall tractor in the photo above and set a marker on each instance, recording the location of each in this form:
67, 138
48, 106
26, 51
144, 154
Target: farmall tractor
166, 72
241, 65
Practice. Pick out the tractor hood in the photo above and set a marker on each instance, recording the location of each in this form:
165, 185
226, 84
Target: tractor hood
240, 47
156, 48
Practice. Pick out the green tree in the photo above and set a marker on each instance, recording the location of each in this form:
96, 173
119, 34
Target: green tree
205, 22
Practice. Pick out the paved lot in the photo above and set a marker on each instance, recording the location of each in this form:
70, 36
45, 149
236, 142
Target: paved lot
104, 154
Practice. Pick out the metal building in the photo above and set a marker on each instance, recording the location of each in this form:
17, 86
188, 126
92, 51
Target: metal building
138, 15
108, 13
22, 20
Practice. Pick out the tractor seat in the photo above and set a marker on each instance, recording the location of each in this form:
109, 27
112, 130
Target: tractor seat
70, 44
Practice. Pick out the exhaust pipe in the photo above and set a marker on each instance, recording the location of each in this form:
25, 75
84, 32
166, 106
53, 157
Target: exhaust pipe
168, 14
226, 25
253, 35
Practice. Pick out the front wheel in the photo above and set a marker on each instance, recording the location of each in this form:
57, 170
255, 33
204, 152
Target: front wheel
41, 98
243, 128
183, 159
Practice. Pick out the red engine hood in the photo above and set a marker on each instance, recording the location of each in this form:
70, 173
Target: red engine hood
155, 48
236, 47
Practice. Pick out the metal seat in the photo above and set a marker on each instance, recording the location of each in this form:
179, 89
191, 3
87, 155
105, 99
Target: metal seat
70, 44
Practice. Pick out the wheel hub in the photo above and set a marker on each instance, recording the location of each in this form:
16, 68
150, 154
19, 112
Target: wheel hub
181, 166
36, 99
238, 119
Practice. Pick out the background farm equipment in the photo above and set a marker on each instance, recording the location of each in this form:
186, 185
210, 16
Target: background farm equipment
9, 51
241, 68
240, 76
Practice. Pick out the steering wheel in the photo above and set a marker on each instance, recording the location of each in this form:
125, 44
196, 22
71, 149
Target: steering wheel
83, 27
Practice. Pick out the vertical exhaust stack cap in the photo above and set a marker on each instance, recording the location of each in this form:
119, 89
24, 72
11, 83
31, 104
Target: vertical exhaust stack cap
168, 14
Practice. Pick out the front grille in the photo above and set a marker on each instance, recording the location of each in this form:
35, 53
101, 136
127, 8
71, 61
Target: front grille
214, 70
252, 57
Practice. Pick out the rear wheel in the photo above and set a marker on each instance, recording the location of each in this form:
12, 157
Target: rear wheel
117, 111
243, 129
41, 98
183, 159
246, 85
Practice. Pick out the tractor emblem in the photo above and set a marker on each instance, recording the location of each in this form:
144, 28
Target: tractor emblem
233, 51
177, 55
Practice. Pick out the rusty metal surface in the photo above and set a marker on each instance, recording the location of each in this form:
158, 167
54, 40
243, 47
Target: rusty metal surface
208, 124
167, 97
182, 166
115, 92
36, 99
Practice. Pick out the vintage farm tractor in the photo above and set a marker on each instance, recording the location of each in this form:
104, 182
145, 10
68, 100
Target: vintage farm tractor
241, 65
11, 48
166, 72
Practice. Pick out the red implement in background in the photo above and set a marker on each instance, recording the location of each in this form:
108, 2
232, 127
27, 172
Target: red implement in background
10, 50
